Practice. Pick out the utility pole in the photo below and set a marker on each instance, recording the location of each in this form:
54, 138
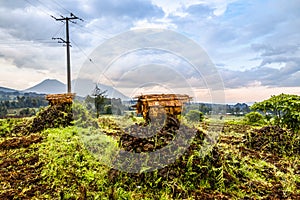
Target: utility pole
67, 42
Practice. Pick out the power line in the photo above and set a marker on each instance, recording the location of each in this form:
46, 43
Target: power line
49, 8
91, 61
85, 29
59, 30
39, 8
61, 6
82, 51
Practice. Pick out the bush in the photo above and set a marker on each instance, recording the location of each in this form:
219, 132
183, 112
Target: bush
254, 118
195, 116
284, 110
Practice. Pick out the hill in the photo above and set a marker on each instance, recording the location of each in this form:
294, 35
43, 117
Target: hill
7, 90
82, 87
48, 86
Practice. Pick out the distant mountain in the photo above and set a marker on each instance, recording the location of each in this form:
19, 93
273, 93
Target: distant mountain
48, 86
7, 90
82, 87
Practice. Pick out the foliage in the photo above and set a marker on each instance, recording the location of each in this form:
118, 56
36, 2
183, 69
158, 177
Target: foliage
204, 108
81, 116
3, 110
25, 102
99, 99
100, 104
6, 125
27, 112
284, 110
254, 118
195, 116
108, 109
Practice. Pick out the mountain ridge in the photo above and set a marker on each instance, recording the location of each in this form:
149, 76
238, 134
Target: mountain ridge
8, 90
82, 87
47, 86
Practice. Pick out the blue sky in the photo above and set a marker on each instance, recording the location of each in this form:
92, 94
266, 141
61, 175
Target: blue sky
255, 44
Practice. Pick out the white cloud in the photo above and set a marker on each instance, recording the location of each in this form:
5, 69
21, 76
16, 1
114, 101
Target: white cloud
178, 7
154, 23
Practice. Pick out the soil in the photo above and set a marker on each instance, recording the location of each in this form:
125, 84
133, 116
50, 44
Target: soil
20, 166
20, 169
273, 139
22, 141
59, 115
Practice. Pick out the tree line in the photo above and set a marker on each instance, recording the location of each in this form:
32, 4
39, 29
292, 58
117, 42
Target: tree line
25, 102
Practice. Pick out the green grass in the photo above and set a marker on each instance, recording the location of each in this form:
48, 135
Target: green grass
72, 168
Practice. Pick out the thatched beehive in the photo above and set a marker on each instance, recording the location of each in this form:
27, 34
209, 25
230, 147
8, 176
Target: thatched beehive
66, 98
155, 104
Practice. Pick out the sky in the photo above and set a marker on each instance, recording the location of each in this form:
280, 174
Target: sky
254, 45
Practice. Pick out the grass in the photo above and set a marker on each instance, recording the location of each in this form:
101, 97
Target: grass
69, 168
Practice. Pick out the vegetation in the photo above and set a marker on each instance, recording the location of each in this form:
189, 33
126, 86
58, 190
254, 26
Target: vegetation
282, 110
99, 103
238, 109
47, 157
24, 104
195, 116
254, 118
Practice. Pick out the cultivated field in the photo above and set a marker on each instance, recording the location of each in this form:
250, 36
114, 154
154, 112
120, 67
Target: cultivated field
46, 157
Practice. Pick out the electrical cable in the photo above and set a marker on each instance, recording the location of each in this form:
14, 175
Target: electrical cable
39, 8
59, 5
91, 61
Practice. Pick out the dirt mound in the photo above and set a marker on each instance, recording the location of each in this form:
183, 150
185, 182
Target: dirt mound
52, 117
139, 138
273, 139
187, 167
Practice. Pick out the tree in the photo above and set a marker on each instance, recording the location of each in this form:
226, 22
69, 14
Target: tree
283, 109
195, 116
99, 99
3, 110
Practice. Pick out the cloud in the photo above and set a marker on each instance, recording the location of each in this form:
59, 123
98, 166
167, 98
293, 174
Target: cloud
27, 24
270, 50
180, 7
135, 9
200, 11
147, 66
287, 76
12, 4
287, 55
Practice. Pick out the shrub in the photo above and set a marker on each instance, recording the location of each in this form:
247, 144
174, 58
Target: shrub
195, 116
254, 117
284, 110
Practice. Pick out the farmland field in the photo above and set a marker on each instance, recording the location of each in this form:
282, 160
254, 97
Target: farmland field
49, 160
